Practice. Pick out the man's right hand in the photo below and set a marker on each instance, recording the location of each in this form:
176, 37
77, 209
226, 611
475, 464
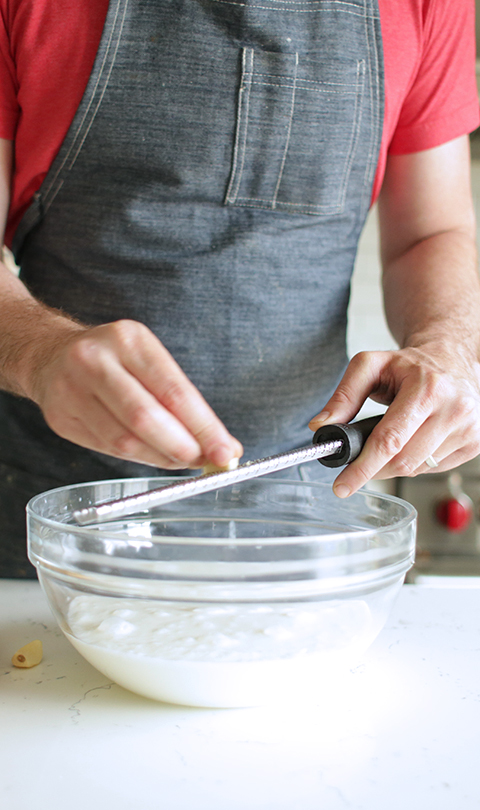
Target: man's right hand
113, 388
116, 389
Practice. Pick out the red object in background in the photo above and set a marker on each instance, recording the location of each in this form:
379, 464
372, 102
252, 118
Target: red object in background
454, 513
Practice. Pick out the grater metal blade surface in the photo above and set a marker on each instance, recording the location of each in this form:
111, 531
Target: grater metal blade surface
186, 488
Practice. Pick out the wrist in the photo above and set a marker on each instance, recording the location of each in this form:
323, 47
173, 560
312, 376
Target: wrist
441, 347
31, 347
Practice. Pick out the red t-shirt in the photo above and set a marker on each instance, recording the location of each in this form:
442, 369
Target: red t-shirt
47, 50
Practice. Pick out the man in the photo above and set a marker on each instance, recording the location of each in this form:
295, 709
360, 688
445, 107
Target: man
190, 181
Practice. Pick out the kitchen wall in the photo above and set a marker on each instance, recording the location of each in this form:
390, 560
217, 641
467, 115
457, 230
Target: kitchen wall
367, 326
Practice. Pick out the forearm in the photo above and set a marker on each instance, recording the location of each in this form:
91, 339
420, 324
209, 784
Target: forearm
27, 329
431, 385
432, 295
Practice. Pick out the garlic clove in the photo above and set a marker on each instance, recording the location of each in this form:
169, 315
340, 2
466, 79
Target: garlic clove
28, 656
212, 468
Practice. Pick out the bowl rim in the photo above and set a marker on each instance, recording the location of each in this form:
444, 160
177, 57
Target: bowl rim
94, 531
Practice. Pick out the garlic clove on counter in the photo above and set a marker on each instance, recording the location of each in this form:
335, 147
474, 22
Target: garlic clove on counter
28, 656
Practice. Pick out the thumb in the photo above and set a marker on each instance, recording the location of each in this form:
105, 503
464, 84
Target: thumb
362, 376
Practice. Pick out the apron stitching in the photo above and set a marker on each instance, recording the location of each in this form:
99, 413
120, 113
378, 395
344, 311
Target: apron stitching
247, 109
293, 10
357, 119
307, 81
294, 205
322, 3
48, 202
377, 110
375, 107
297, 86
257, 202
373, 136
241, 134
372, 100
289, 132
104, 88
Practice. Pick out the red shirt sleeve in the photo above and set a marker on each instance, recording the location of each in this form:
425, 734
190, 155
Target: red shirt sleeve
442, 101
47, 49
9, 109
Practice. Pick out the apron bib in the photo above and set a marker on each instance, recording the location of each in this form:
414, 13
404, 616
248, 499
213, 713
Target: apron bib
213, 185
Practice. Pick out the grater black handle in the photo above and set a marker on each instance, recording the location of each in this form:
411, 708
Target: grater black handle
353, 437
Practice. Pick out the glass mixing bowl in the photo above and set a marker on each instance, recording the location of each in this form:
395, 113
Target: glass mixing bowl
237, 597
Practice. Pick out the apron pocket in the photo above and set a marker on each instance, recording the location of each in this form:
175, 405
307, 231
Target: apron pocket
298, 123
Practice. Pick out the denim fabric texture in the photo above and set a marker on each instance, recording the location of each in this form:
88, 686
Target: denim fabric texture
213, 185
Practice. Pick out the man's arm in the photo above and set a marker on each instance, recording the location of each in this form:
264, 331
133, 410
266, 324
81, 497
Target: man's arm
112, 388
432, 303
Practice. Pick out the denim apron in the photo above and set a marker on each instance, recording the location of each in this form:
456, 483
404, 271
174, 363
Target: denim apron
213, 185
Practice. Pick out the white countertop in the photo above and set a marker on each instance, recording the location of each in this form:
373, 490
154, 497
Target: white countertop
402, 730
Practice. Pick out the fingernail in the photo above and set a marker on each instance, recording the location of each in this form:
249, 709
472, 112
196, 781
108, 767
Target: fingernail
341, 490
318, 420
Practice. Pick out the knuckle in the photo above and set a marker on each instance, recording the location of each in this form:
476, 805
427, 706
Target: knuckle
174, 394
470, 435
125, 445
129, 335
405, 466
84, 352
185, 456
361, 360
434, 388
466, 412
343, 395
139, 420
391, 441
208, 435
